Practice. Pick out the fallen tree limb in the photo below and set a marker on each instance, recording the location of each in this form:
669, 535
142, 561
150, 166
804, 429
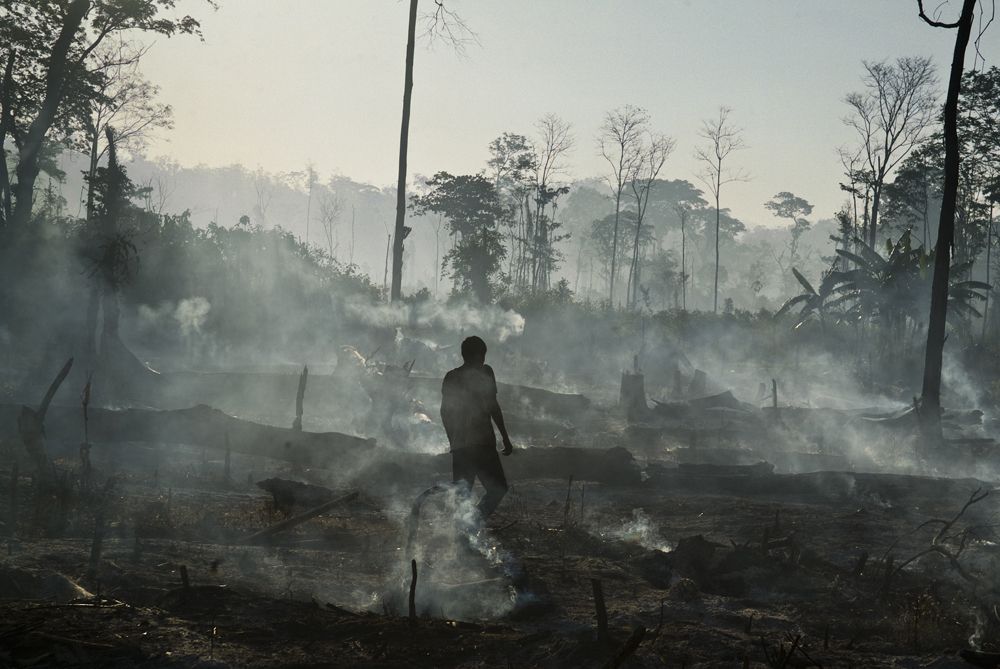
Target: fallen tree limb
294, 521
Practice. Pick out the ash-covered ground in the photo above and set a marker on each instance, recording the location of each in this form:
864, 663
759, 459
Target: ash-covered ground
669, 527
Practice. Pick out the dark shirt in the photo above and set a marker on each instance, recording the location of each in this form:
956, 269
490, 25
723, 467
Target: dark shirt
468, 395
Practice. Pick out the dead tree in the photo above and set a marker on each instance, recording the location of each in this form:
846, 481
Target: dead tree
620, 144
723, 138
651, 160
930, 401
890, 118
448, 26
300, 398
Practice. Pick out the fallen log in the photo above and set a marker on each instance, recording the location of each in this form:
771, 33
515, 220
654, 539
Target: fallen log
208, 427
295, 521
201, 426
513, 396
288, 494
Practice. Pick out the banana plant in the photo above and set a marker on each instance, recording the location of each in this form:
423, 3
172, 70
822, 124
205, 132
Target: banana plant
812, 303
890, 289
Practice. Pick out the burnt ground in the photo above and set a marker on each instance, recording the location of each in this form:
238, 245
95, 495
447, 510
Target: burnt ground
719, 567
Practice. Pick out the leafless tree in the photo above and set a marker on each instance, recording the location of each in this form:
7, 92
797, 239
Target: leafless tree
124, 100
654, 153
311, 178
620, 144
890, 116
723, 139
683, 209
330, 207
441, 24
555, 141
265, 193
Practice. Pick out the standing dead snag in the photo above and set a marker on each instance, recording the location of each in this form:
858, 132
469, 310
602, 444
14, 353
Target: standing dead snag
569, 491
97, 544
930, 395
85, 446
12, 511
413, 593
600, 609
299, 398
31, 424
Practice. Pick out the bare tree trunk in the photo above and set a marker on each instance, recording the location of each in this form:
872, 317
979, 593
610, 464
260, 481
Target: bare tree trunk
27, 165
632, 290
91, 173
6, 127
873, 222
684, 301
930, 404
614, 249
404, 140
989, 254
715, 301
385, 274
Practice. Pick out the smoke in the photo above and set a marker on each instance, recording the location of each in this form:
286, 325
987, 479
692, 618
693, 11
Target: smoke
186, 318
191, 314
491, 321
463, 572
641, 530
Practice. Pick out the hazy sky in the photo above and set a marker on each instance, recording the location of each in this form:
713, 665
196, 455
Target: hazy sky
279, 84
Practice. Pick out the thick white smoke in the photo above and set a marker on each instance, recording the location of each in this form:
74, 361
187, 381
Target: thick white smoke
490, 321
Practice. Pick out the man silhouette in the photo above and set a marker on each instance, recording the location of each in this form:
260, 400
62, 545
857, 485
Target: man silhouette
469, 408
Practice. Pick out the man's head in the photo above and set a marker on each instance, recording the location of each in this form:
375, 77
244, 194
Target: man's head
474, 351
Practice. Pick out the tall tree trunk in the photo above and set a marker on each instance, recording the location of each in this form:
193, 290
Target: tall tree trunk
404, 140
6, 127
614, 249
27, 164
91, 173
684, 300
873, 222
989, 255
930, 404
715, 302
633, 277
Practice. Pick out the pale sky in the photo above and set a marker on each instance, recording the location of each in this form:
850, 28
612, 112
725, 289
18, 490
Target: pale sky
282, 83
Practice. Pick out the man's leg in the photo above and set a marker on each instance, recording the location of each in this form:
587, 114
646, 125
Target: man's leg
491, 474
463, 466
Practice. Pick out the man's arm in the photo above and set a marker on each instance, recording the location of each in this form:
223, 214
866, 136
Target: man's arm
497, 415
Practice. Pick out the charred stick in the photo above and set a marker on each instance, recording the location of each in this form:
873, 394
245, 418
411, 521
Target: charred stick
627, 649
569, 490
300, 398
12, 511
96, 544
413, 593
601, 610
